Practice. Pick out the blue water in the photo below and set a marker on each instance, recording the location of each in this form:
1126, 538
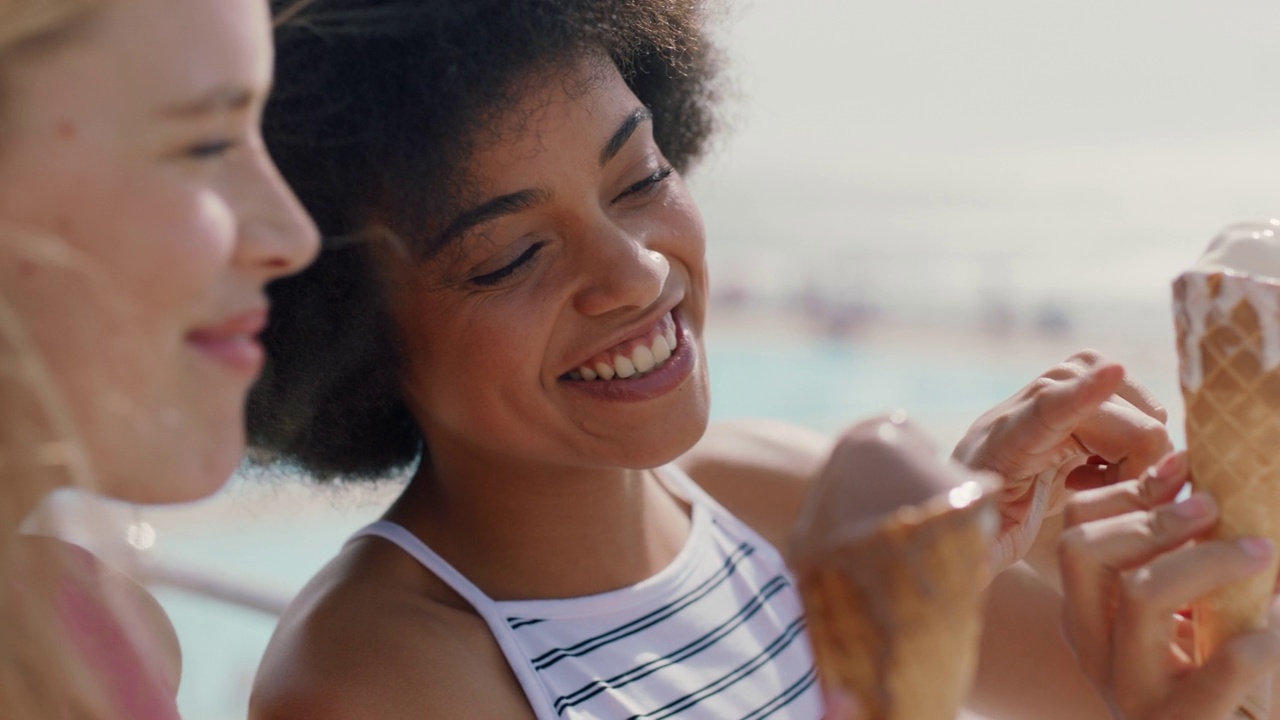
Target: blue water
823, 384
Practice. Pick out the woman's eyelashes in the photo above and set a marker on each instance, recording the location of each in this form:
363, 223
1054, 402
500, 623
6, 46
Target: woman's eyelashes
510, 270
638, 190
648, 185
209, 150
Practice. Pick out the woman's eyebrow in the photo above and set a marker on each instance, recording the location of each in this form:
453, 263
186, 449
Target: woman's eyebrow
224, 98
488, 211
522, 200
624, 133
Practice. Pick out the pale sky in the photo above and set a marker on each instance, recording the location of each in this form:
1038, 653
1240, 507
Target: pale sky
1053, 151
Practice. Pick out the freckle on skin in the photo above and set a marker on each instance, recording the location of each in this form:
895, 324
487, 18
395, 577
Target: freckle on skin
67, 130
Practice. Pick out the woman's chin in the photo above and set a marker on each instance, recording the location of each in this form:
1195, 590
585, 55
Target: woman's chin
169, 476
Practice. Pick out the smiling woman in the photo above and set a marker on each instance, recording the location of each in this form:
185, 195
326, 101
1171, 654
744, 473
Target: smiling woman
400, 97
513, 298
140, 219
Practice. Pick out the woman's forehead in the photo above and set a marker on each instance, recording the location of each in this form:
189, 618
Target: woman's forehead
157, 54
572, 109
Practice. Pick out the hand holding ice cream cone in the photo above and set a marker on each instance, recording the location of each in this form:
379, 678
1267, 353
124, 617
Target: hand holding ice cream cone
1129, 570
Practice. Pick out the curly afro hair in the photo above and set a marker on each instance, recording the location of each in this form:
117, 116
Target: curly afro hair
378, 104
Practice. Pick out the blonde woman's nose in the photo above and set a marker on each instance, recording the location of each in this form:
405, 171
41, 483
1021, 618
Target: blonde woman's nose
276, 233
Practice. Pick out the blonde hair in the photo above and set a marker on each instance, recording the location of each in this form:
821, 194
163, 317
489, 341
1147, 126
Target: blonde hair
41, 675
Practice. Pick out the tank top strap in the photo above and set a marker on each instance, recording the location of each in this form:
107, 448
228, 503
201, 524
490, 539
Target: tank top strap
534, 689
679, 482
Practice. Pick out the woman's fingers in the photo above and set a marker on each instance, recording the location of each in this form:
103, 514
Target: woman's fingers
1082, 415
1131, 390
1214, 691
1149, 597
1143, 399
1092, 557
1063, 406
1129, 440
1158, 485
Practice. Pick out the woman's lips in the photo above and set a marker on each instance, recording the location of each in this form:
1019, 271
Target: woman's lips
633, 358
233, 343
661, 379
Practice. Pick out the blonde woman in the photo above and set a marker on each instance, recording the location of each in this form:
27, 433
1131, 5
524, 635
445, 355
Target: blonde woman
140, 221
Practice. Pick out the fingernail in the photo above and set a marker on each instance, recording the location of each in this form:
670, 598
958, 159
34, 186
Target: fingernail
1194, 507
1171, 467
1257, 548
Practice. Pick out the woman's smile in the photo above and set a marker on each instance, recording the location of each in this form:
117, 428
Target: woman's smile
646, 366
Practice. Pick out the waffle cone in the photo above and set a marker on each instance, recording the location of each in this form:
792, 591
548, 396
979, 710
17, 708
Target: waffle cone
1229, 345
895, 611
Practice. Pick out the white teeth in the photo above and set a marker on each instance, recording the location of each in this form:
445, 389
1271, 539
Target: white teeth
604, 370
642, 358
661, 350
624, 366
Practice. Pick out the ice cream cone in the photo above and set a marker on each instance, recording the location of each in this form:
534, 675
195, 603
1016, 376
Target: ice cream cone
1229, 341
894, 602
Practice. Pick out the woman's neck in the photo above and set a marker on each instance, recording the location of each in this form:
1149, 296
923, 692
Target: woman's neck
521, 532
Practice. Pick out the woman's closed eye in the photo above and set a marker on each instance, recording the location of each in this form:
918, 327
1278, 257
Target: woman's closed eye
648, 185
510, 270
210, 149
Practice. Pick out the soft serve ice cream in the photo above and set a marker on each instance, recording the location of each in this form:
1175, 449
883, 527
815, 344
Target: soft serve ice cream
1244, 250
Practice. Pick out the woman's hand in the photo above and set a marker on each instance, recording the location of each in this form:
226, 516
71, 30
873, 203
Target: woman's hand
1081, 424
1128, 571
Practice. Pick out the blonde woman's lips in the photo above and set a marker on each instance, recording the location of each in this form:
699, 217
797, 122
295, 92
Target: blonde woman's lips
233, 343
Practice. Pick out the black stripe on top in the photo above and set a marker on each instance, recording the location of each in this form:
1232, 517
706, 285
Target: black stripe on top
785, 698
748, 610
727, 569
788, 635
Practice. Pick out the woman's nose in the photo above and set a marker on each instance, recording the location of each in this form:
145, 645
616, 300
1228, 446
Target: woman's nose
277, 237
623, 273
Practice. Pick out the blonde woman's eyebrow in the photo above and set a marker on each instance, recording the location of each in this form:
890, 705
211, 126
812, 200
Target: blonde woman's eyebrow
226, 98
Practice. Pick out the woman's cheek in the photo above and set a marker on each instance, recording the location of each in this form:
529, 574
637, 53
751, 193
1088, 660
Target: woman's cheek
195, 244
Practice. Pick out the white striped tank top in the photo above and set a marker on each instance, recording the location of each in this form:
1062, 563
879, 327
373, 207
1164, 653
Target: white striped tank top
717, 634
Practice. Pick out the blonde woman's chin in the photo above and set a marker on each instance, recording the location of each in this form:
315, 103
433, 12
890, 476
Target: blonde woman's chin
185, 464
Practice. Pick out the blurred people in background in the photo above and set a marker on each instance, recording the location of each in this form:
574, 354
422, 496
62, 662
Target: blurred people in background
140, 221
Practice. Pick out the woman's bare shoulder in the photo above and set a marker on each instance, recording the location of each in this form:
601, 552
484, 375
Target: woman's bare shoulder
110, 587
375, 635
759, 470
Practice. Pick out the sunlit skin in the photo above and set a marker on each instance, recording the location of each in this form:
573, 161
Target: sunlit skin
140, 219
